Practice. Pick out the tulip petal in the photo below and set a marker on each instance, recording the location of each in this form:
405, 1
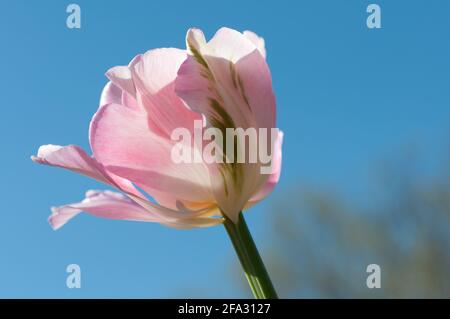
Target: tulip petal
227, 76
154, 77
72, 157
122, 77
105, 204
110, 94
112, 205
257, 41
228, 81
274, 177
113, 94
121, 141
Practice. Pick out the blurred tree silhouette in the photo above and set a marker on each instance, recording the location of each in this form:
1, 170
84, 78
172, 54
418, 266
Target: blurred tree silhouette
323, 243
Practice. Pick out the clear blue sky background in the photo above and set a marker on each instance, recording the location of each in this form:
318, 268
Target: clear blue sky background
345, 94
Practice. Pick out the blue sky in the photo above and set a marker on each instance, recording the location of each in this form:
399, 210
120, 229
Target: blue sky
345, 94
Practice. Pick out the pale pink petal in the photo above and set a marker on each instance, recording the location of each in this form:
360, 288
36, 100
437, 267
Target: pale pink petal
121, 141
111, 94
105, 204
257, 41
157, 69
75, 159
227, 75
228, 81
275, 175
72, 157
154, 77
121, 76
108, 204
130, 101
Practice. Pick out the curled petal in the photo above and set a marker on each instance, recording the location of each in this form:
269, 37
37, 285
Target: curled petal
111, 94
154, 76
73, 158
105, 204
121, 76
111, 205
257, 41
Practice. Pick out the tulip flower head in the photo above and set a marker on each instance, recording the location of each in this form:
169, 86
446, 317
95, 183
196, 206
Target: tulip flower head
221, 84
187, 138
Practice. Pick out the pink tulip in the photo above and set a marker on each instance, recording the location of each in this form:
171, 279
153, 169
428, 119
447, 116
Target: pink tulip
224, 82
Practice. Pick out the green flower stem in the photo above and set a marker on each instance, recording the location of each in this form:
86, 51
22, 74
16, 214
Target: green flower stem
251, 261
